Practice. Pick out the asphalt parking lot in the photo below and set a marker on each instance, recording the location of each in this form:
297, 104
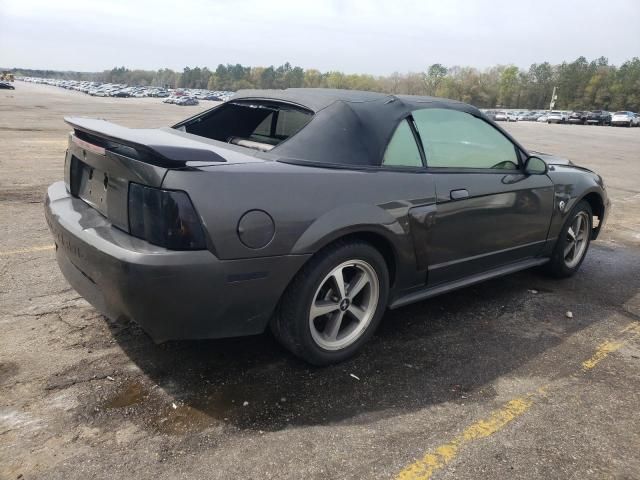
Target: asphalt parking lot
494, 381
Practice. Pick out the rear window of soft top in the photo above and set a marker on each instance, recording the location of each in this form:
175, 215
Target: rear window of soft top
260, 125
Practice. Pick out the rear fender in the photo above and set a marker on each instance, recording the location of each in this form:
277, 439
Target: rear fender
365, 219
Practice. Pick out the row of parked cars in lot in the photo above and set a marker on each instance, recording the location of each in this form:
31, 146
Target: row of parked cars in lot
180, 96
596, 117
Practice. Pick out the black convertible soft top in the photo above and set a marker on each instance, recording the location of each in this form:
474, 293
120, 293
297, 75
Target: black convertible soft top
350, 127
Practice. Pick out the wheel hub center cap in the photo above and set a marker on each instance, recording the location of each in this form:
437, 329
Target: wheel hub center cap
344, 304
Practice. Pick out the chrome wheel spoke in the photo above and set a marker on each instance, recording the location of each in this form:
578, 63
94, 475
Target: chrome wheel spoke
356, 287
578, 225
332, 328
322, 307
338, 280
569, 248
357, 312
571, 233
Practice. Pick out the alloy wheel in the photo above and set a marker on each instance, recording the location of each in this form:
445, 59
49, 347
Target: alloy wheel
576, 240
344, 305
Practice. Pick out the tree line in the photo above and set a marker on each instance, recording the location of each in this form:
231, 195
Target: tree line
581, 84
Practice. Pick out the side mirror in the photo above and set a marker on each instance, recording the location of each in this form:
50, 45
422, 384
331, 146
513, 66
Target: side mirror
535, 166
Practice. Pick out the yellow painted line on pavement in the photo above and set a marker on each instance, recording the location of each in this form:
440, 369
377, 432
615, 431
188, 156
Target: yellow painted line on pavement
601, 353
608, 347
22, 251
441, 456
633, 328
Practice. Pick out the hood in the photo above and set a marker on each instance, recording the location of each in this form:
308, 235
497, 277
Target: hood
552, 159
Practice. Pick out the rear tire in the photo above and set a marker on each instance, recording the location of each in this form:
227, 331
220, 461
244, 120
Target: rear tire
322, 322
573, 242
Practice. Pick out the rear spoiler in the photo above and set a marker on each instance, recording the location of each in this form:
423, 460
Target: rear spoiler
167, 147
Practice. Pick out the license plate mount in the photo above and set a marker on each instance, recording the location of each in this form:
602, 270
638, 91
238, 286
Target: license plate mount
93, 186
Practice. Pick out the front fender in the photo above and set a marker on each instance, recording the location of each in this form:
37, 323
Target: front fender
571, 185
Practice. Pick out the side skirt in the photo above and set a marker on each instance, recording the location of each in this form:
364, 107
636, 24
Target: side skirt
465, 282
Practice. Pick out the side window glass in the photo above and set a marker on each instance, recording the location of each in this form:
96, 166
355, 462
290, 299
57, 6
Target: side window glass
402, 149
456, 139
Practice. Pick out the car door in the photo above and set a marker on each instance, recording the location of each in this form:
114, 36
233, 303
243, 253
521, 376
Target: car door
488, 212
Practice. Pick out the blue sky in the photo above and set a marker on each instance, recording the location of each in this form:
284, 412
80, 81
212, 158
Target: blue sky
353, 36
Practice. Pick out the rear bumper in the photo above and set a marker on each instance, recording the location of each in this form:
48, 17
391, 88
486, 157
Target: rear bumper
171, 294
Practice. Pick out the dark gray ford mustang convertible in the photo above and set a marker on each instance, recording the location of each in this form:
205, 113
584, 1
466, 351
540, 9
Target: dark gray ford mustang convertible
311, 211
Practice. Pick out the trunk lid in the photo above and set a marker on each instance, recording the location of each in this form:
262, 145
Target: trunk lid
104, 158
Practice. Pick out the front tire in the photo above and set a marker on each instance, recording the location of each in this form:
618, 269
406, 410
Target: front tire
573, 242
334, 304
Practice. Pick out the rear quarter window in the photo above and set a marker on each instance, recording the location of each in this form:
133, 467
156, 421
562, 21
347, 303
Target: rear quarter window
402, 150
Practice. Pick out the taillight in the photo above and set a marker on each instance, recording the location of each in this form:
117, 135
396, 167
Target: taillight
165, 218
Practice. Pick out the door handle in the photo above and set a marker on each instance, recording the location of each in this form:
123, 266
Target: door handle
458, 194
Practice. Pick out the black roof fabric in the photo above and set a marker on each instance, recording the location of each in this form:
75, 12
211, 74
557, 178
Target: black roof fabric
312, 98
350, 127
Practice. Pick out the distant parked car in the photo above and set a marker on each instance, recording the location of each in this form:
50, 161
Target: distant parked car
542, 118
491, 114
536, 115
6, 86
500, 116
505, 117
578, 117
557, 116
599, 117
186, 101
625, 119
